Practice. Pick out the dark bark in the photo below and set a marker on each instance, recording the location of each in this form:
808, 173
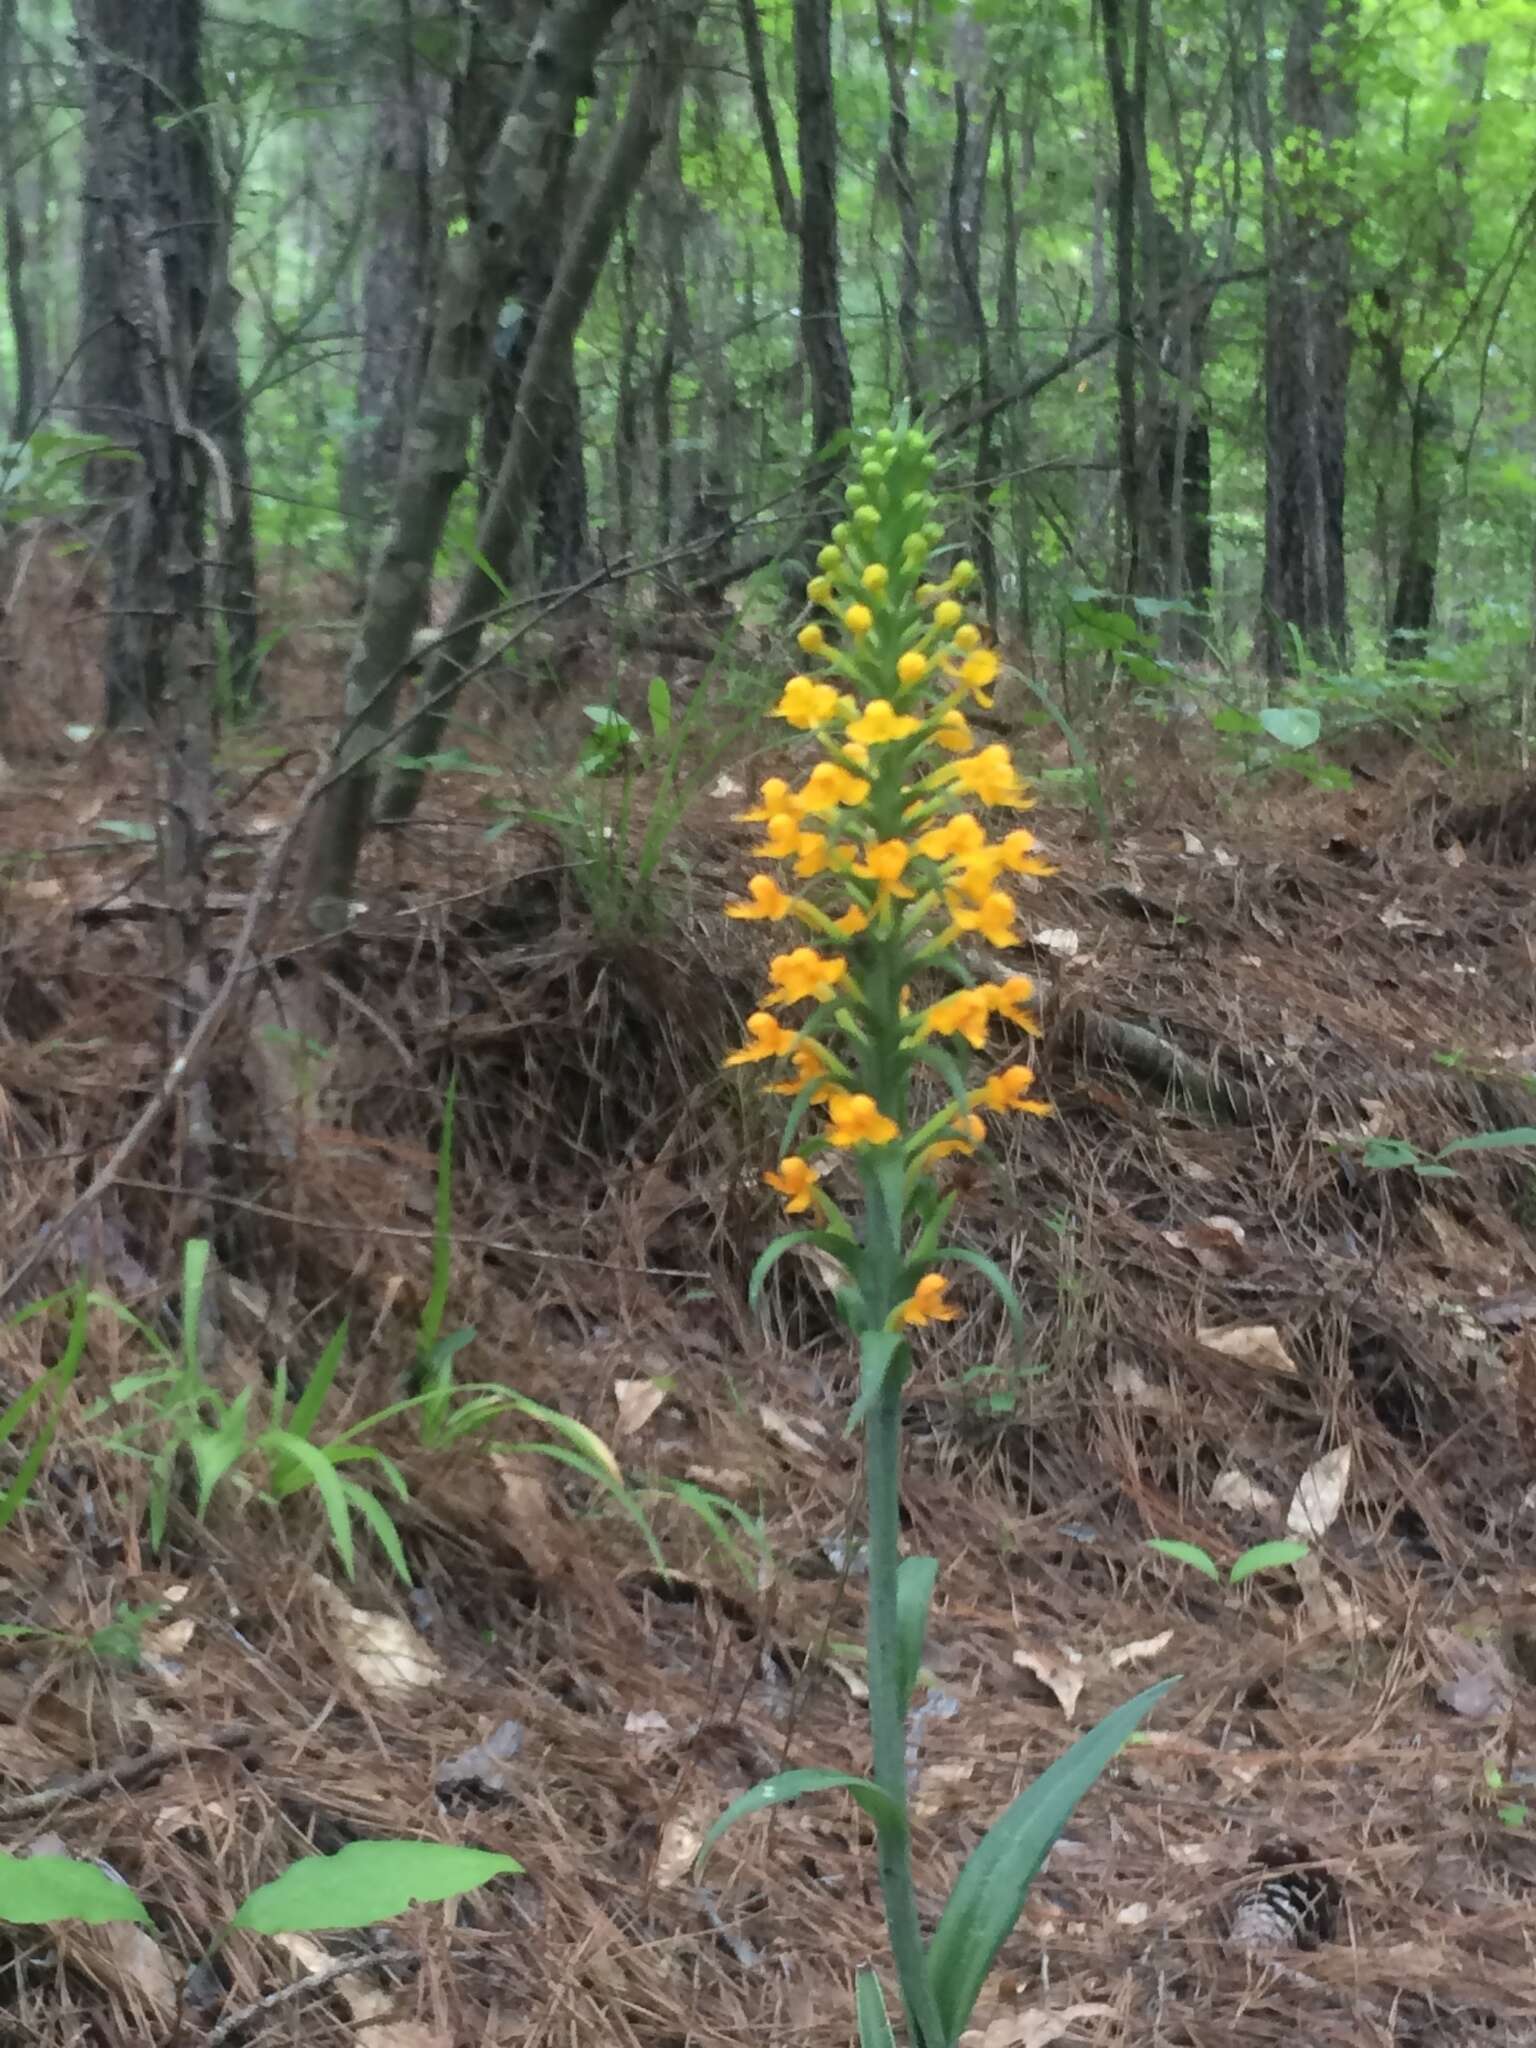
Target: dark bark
1128, 108
767, 126
17, 294
505, 221
1307, 355
1429, 467
606, 192
821, 321
898, 136
397, 290
966, 185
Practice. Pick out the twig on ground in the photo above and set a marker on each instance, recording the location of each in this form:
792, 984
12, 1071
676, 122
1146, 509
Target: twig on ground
317, 1980
121, 1773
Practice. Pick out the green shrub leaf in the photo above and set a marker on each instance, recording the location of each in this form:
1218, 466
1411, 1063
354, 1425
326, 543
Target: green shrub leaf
915, 1581
366, 1882
36, 1891
1266, 1557
1186, 1553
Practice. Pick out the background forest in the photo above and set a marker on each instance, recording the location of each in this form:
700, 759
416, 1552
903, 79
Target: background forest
421, 427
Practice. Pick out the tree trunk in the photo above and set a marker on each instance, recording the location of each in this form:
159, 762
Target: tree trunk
1429, 467
966, 186
821, 322
18, 298
606, 192
1307, 353
762, 106
898, 135
1128, 105
506, 222
397, 292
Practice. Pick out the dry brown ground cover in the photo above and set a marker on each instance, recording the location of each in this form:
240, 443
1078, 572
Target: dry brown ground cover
1220, 1296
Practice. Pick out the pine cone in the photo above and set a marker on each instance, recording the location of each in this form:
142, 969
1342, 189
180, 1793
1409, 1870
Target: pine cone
1294, 1905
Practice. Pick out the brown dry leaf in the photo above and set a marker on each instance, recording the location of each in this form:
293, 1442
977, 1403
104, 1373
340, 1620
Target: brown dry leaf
367, 2003
851, 1676
1256, 1344
682, 1836
792, 1436
380, 1649
1135, 1653
1032, 2027
1131, 1384
1060, 940
1193, 845
1481, 1683
1061, 1672
1235, 1490
1218, 1243
1319, 1496
944, 1785
723, 1478
526, 1515
824, 1269
134, 1962
637, 1401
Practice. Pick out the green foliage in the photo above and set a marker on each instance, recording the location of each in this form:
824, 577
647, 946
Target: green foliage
1262, 1557
1391, 1155
47, 1394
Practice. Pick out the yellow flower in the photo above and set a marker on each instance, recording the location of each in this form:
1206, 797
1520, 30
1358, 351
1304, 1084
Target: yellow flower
858, 619
767, 1039
978, 672
952, 732
912, 667
990, 777
810, 1065
805, 972
927, 1304
885, 863
1017, 856
962, 834
856, 1120
782, 838
1007, 999
766, 900
852, 922
796, 1180
875, 577
811, 640
992, 918
1010, 1090
810, 854
964, 1014
827, 786
775, 797
819, 590
881, 724
948, 614
967, 637
807, 704
962, 576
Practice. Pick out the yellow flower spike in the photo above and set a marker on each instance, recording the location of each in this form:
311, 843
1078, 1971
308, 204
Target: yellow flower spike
990, 777
952, 732
765, 899
767, 1039
857, 1120
992, 918
927, 1303
774, 798
811, 640
881, 723
967, 637
810, 1064
858, 619
1009, 1090
948, 614
1016, 856
875, 578
806, 704
911, 668
796, 1181
965, 1014
978, 672
802, 974
811, 855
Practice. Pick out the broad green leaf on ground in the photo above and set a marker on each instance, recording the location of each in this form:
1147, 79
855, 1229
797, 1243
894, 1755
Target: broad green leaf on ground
366, 1882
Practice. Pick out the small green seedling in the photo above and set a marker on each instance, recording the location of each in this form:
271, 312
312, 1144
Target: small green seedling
1513, 1813
1392, 1155
609, 744
1263, 1557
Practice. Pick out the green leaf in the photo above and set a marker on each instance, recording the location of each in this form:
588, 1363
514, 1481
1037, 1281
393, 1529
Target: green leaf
1186, 1553
1491, 1141
990, 1891
1293, 725
194, 1275
322, 1475
787, 1785
1386, 1154
915, 1581
881, 1352
370, 1509
127, 828
825, 1240
874, 2020
54, 1386
307, 1408
658, 702
993, 1274
1230, 719
1265, 1557
215, 1451
366, 1882
35, 1891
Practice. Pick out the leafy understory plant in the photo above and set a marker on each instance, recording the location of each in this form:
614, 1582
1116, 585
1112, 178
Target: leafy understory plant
1390, 1155
883, 861
1262, 1557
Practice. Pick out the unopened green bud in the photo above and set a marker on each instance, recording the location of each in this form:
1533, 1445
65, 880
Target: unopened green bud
855, 495
868, 517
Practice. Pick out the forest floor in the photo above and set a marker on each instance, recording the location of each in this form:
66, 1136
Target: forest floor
1226, 1304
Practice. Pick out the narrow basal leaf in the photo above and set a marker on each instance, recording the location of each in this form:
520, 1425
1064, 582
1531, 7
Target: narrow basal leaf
780, 1789
1265, 1557
880, 1354
366, 1882
915, 1581
36, 1891
874, 2020
1186, 1553
990, 1891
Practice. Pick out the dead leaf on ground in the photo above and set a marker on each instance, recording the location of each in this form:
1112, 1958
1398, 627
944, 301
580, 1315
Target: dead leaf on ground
1131, 1384
792, 1436
1319, 1496
1060, 940
1136, 1653
380, 1649
526, 1515
1481, 1682
1244, 1496
484, 1766
1032, 2027
1059, 1671
637, 1401
682, 1836
1256, 1344
1217, 1243
722, 1478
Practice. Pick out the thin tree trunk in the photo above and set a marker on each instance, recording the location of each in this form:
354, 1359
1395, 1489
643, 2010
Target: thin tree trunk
478, 276
898, 155
821, 321
964, 239
767, 125
1429, 466
606, 194
1129, 113
17, 294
